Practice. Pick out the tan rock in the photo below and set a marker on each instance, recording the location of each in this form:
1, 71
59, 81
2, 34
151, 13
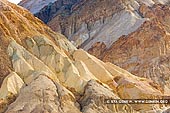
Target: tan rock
11, 85
38, 97
94, 97
166, 111
84, 71
57, 76
20, 56
94, 65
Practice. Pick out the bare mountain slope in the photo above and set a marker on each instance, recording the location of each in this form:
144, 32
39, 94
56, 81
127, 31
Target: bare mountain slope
145, 52
43, 72
133, 34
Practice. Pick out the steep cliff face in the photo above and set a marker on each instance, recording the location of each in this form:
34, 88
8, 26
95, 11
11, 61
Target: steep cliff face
44, 72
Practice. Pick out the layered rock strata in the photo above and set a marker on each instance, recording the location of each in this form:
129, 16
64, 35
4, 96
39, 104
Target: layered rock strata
44, 72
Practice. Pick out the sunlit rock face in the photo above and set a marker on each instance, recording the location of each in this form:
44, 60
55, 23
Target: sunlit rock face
43, 72
131, 34
145, 52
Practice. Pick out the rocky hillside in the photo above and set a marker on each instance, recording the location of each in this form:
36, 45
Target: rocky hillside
144, 52
46, 10
41, 71
133, 34
86, 22
35, 5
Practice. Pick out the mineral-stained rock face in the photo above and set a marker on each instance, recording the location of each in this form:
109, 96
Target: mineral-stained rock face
145, 52
97, 21
87, 22
47, 97
35, 6
46, 73
131, 34
47, 9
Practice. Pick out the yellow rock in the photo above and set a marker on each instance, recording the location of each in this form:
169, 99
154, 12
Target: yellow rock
94, 65
11, 84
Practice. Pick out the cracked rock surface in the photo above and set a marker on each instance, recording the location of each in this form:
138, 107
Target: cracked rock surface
132, 34
43, 72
